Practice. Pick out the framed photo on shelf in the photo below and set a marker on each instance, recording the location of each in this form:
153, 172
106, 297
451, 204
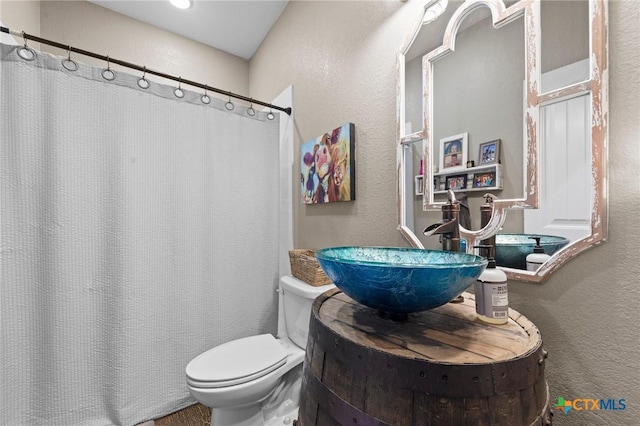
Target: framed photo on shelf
489, 152
453, 152
484, 179
456, 182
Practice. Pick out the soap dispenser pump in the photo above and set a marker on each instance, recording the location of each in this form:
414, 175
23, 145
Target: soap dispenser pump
492, 297
538, 257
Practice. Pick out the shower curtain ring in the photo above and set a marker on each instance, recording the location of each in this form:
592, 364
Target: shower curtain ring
143, 83
205, 98
69, 64
250, 110
270, 115
25, 52
229, 105
178, 91
107, 74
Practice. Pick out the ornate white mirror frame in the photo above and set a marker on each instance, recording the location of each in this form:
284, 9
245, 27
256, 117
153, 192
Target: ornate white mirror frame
596, 85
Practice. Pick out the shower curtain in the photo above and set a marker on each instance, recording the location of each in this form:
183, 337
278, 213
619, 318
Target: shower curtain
138, 230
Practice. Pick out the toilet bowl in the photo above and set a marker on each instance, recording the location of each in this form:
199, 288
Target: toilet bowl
256, 380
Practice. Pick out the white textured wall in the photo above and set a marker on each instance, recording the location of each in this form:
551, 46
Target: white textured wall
340, 57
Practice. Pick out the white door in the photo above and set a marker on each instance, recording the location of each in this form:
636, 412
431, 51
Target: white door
565, 162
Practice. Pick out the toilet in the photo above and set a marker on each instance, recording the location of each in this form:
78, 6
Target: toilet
256, 380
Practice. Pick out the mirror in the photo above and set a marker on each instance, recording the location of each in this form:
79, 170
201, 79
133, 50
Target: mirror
519, 88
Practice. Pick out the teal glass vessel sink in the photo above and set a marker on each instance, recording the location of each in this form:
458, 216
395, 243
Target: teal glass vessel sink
512, 249
398, 280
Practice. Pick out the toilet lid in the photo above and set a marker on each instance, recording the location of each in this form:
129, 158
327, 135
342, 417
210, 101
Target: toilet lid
236, 362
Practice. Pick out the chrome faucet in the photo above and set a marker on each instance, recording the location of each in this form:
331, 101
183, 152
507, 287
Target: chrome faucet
449, 227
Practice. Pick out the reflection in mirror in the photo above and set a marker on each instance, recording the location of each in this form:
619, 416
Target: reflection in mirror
565, 137
530, 76
478, 89
413, 185
564, 35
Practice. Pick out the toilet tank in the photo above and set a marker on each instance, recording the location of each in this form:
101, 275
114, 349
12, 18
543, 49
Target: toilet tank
297, 298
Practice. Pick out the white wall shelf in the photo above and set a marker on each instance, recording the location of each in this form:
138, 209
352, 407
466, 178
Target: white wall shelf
419, 184
474, 179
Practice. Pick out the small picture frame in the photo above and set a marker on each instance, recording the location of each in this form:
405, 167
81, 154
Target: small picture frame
489, 152
456, 182
453, 152
484, 179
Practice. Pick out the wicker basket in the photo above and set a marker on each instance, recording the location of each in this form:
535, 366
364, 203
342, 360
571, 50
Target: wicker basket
305, 267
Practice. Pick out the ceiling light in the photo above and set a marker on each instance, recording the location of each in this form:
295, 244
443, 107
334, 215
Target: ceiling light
182, 4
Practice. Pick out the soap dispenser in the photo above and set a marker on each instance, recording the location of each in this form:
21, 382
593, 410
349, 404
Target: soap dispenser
492, 297
538, 257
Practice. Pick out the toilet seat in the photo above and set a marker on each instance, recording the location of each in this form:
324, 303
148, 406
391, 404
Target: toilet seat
236, 362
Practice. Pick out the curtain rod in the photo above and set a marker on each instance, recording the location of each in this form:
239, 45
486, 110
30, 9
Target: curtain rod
108, 59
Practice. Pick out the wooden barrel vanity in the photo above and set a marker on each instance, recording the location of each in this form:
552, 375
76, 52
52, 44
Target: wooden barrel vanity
439, 367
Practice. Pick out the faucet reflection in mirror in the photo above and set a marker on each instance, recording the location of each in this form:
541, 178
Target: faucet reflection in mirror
529, 15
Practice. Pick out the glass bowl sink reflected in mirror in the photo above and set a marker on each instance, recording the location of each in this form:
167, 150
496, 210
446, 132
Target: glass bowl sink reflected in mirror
399, 280
512, 249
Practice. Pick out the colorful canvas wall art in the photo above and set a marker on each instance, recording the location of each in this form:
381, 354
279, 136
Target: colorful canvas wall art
327, 167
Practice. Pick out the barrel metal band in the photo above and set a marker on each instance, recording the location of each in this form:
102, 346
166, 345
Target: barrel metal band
339, 410
546, 415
